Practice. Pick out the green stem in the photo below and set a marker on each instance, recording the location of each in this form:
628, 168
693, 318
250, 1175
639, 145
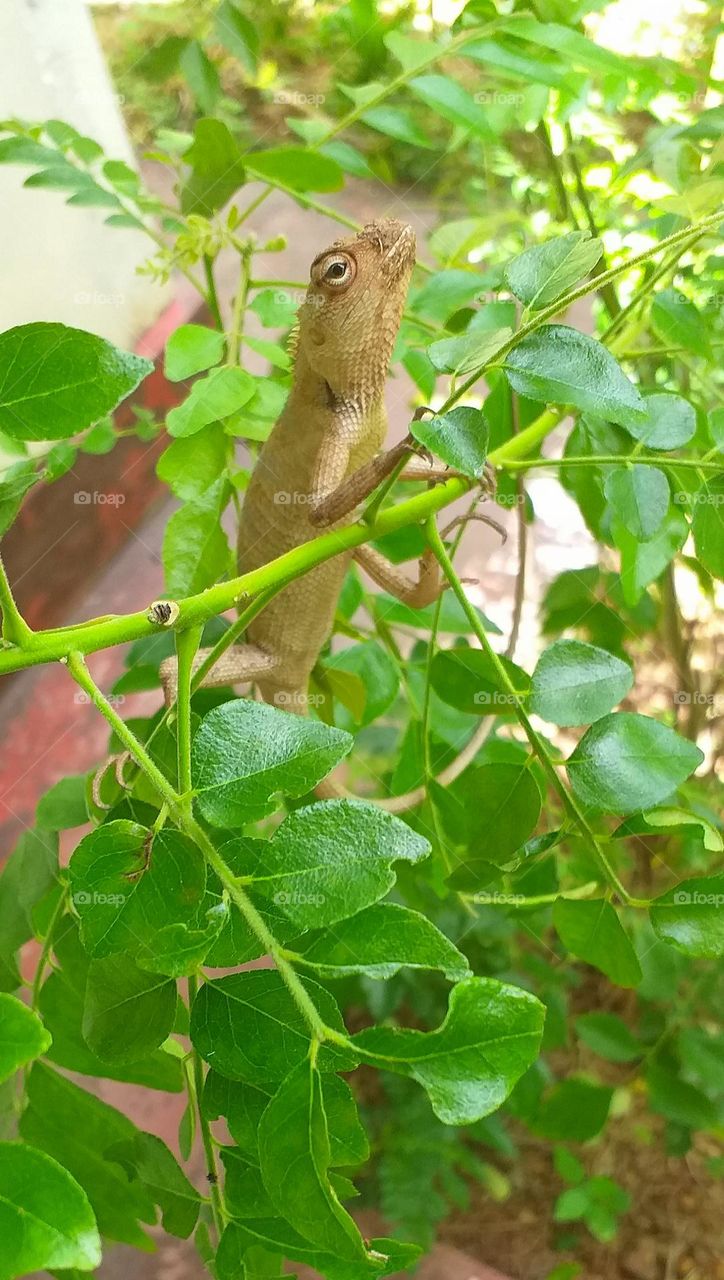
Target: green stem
15, 628
58, 644
190, 827
187, 642
233, 345
212, 296
610, 459
537, 744
218, 1207
46, 950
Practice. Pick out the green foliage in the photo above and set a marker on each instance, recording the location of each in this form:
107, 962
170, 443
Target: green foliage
434, 936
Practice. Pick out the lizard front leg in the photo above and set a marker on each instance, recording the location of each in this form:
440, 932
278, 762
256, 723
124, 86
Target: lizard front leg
391, 578
335, 496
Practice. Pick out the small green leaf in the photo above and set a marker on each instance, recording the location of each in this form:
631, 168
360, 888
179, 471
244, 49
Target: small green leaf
627, 762
329, 860
245, 753
468, 680
644, 562
196, 552
562, 366
541, 274
673, 818
378, 942
212, 398
128, 1011
149, 1159
677, 322
191, 349
56, 381
64, 806
670, 422
22, 1035
573, 1110
499, 807
449, 100
191, 465
295, 1155
296, 168
125, 885
708, 525
248, 1027
609, 1037
690, 916
459, 437
397, 123
445, 292
678, 1100
237, 33
377, 674
46, 1218
640, 498
469, 1065
593, 932
469, 351
576, 683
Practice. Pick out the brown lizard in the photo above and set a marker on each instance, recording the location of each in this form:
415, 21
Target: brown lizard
321, 460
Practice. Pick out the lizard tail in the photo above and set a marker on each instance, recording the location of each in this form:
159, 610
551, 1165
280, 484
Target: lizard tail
328, 789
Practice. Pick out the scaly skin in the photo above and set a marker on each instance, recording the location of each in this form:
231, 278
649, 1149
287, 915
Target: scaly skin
322, 460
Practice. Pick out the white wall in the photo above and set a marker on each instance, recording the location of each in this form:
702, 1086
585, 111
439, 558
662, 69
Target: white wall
63, 263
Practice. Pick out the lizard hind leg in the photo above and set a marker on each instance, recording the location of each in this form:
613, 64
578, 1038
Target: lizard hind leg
238, 665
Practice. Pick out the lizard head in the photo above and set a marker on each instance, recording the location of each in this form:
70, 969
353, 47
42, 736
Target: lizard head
349, 320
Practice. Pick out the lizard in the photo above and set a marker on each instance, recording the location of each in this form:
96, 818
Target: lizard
322, 459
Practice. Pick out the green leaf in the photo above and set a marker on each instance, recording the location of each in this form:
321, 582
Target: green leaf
459, 437
378, 942
672, 818
28, 882
644, 562
331, 859
690, 916
448, 99
445, 292
669, 423
377, 675
677, 322
573, 1110
22, 1035
468, 680
76, 1128
708, 525
296, 168
679, 1101
541, 274
245, 753
149, 1159
46, 1218
410, 53
397, 123
221, 393
295, 1155
248, 1027
593, 932
126, 884
453, 618
609, 1037
128, 1011
639, 497
217, 172
64, 806
17, 481
56, 381
560, 365
238, 34
196, 552
191, 349
191, 465
204, 83
469, 351
627, 762
469, 1065
576, 683
499, 807
385, 1258
61, 1003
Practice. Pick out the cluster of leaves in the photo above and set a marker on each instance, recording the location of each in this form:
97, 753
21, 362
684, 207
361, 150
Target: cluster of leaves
491, 874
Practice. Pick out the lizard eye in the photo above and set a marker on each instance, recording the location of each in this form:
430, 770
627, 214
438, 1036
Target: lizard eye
336, 271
